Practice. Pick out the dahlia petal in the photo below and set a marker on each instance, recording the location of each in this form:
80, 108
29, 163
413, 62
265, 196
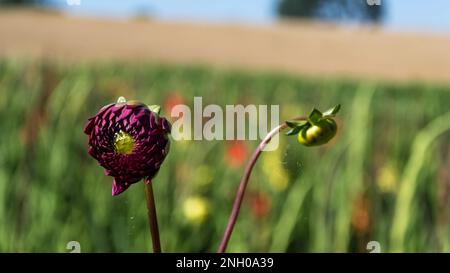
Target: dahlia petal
118, 188
89, 126
166, 149
117, 108
91, 152
133, 120
153, 121
110, 116
104, 109
126, 112
166, 126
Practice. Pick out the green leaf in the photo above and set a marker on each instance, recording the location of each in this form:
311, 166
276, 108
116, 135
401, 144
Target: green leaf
293, 131
297, 129
333, 111
155, 108
315, 116
293, 124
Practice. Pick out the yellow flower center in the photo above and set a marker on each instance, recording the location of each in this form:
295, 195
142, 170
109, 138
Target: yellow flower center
123, 143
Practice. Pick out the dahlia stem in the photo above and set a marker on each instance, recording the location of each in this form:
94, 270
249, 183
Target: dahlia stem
152, 219
243, 184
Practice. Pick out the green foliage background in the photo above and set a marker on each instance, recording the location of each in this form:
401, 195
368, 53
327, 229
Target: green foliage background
384, 178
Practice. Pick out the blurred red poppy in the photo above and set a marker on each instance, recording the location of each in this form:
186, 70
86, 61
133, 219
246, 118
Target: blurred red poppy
361, 215
173, 100
236, 154
260, 204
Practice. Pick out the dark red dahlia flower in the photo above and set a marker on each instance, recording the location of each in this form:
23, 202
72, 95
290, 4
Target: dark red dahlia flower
130, 140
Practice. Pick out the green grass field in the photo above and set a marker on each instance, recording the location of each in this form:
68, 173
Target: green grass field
385, 177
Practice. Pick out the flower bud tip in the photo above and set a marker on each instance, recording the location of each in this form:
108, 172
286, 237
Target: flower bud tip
121, 100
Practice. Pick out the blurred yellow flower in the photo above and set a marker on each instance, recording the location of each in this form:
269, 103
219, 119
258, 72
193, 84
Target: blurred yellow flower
196, 209
387, 178
272, 164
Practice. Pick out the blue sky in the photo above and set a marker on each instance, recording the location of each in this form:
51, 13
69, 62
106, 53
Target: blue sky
422, 15
413, 15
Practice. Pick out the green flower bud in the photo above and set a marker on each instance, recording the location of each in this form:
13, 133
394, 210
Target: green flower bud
318, 129
318, 134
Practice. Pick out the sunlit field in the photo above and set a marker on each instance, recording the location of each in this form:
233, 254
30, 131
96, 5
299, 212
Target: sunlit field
383, 178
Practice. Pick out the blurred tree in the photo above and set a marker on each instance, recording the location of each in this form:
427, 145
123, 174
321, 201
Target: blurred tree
333, 10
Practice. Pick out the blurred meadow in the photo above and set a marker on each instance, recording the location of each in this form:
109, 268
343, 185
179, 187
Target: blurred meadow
384, 178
